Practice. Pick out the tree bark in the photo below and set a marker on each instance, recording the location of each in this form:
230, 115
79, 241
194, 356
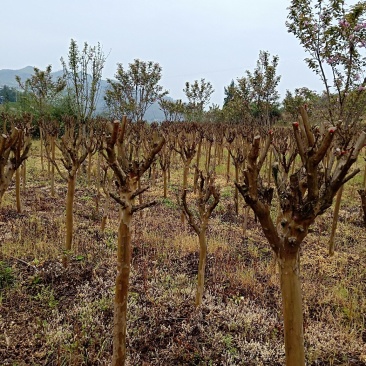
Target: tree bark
292, 309
335, 221
165, 183
17, 190
201, 266
69, 215
122, 281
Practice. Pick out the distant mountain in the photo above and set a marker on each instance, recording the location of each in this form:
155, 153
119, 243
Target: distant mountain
7, 77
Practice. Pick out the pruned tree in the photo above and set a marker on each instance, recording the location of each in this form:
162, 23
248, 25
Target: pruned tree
14, 150
134, 90
208, 199
127, 174
298, 210
74, 146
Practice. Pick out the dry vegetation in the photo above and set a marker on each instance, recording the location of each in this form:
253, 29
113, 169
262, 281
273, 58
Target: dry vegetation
55, 316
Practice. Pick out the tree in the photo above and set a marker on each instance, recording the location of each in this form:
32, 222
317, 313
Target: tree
208, 199
127, 173
261, 86
198, 95
8, 94
173, 109
83, 73
134, 90
334, 37
42, 92
42, 89
304, 195
15, 142
302, 96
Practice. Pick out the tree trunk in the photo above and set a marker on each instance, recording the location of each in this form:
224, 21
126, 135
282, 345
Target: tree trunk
122, 281
53, 167
17, 190
236, 193
185, 184
165, 183
331, 245
228, 166
292, 309
69, 215
198, 166
362, 194
89, 167
24, 176
245, 222
201, 266
41, 141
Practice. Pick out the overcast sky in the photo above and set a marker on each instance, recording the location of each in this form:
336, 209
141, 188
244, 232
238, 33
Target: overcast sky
190, 39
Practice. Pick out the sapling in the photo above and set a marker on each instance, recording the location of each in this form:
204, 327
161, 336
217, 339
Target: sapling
74, 146
208, 198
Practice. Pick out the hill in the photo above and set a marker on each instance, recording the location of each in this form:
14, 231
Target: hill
7, 77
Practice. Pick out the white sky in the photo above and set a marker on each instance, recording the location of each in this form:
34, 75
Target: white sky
190, 39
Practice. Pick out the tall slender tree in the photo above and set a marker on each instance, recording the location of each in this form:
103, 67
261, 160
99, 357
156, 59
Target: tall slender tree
134, 89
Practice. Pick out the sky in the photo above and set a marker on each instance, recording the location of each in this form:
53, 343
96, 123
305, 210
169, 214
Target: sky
190, 39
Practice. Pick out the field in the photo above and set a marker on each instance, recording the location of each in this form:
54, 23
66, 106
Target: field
55, 316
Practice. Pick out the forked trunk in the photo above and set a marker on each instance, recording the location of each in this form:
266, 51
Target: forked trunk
292, 309
122, 281
201, 266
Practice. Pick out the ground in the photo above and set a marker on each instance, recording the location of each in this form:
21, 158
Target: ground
55, 316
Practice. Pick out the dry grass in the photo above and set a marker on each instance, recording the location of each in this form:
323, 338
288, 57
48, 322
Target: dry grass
52, 316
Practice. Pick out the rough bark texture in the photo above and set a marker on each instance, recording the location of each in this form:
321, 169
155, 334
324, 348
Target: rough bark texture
292, 309
121, 293
201, 266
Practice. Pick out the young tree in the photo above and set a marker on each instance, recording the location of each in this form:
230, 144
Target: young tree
42, 91
198, 95
208, 199
15, 143
301, 96
261, 86
127, 173
173, 109
83, 73
134, 90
